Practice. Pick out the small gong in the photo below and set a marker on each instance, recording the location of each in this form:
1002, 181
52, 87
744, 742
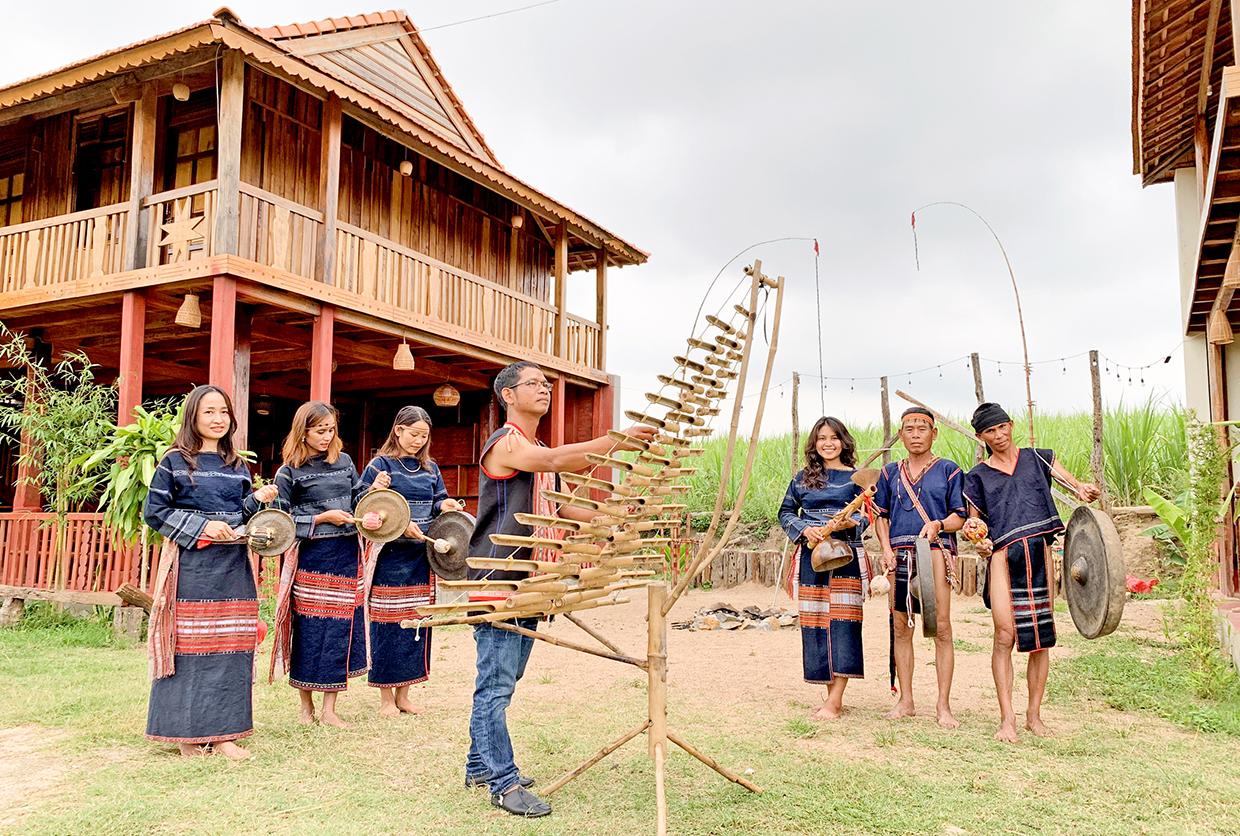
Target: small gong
921, 586
453, 529
393, 511
1093, 572
270, 532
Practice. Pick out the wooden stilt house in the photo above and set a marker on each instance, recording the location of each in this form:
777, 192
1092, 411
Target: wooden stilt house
318, 196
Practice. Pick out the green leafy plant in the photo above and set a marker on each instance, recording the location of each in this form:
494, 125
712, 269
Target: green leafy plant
1172, 532
134, 451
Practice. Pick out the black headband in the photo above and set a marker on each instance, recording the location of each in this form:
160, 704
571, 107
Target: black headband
989, 415
917, 410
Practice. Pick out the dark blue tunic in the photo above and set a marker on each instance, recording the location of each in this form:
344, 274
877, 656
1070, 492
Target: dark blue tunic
402, 580
830, 602
208, 699
329, 621
940, 492
1020, 512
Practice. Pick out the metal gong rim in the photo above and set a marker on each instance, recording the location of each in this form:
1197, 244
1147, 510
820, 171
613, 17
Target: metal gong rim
925, 588
1093, 572
270, 532
457, 527
390, 505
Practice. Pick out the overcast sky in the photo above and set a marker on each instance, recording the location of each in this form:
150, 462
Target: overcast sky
694, 129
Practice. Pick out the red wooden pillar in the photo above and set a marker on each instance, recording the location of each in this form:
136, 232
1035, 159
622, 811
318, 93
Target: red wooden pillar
133, 340
26, 496
321, 354
221, 369
604, 409
558, 396
241, 375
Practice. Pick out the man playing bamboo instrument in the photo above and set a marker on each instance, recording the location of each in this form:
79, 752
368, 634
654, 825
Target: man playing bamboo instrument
515, 470
920, 497
1011, 492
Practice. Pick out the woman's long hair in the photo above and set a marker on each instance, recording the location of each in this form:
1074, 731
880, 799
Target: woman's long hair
407, 416
189, 441
296, 451
815, 467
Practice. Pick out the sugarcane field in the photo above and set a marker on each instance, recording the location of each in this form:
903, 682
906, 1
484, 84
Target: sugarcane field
356, 480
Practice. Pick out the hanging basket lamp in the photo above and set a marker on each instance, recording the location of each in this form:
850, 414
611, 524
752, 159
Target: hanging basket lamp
403, 361
189, 315
447, 395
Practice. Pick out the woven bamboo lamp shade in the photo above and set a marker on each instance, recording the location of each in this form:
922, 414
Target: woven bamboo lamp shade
447, 395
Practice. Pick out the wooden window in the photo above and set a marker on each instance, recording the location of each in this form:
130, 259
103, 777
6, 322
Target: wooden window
189, 151
101, 160
12, 186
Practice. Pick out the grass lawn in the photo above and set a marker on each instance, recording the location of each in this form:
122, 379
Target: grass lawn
1133, 752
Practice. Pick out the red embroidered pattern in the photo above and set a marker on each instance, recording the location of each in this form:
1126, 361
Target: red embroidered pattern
393, 604
821, 605
325, 596
216, 627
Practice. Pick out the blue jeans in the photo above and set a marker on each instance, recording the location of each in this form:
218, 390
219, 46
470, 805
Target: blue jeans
502, 656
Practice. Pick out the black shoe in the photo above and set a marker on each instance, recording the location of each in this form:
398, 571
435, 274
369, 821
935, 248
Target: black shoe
475, 781
521, 802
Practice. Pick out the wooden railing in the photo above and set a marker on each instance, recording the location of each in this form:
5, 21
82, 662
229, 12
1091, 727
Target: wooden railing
63, 249
379, 270
581, 341
90, 561
277, 232
181, 223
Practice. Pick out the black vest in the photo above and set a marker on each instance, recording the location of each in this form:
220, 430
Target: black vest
499, 498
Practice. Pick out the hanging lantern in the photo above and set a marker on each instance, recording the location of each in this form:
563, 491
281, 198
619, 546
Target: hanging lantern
403, 361
447, 395
180, 91
189, 315
406, 168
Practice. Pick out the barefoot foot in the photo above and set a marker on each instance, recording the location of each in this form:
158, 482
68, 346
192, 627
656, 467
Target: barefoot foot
901, 709
333, 719
407, 707
1034, 724
306, 718
826, 711
389, 709
1006, 732
947, 720
193, 750
232, 751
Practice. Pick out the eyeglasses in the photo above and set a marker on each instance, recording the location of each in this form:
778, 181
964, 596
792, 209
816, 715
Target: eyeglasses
541, 384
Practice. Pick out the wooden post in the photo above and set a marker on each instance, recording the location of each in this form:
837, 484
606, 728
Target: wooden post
141, 178
321, 354
223, 333
231, 110
886, 406
241, 376
976, 362
558, 394
796, 423
604, 408
1095, 460
656, 676
1218, 412
561, 286
329, 190
600, 306
133, 340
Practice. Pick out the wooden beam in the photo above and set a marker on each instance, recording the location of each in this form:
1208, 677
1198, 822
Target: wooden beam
321, 355
329, 189
260, 295
600, 306
1207, 58
558, 395
1201, 155
133, 341
241, 376
561, 284
231, 110
220, 367
141, 176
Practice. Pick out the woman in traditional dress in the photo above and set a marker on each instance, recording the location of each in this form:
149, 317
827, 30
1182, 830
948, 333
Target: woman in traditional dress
402, 579
204, 620
830, 602
320, 619
1011, 492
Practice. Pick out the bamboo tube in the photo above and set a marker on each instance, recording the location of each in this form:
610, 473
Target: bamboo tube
727, 342
628, 440
683, 385
713, 764
654, 458
661, 400
679, 360
747, 313
660, 787
579, 481
720, 324
506, 615
580, 648
656, 666
506, 564
481, 584
704, 345
595, 758
698, 432
706, 381
557, 522
620, 464
643, 418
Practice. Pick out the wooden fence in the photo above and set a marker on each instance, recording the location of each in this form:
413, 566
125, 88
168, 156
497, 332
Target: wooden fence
90, 562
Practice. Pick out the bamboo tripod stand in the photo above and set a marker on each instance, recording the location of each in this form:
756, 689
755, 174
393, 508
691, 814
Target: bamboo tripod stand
624, 545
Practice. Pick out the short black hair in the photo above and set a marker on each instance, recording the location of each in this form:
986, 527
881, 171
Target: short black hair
508, 377
917, 410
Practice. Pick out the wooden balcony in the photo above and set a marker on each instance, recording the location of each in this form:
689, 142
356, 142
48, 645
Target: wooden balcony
280, 243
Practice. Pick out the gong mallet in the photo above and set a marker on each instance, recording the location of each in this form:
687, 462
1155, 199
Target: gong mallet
268, 533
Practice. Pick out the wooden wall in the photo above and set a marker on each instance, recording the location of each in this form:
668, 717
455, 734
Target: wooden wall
280, 139
436, 212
